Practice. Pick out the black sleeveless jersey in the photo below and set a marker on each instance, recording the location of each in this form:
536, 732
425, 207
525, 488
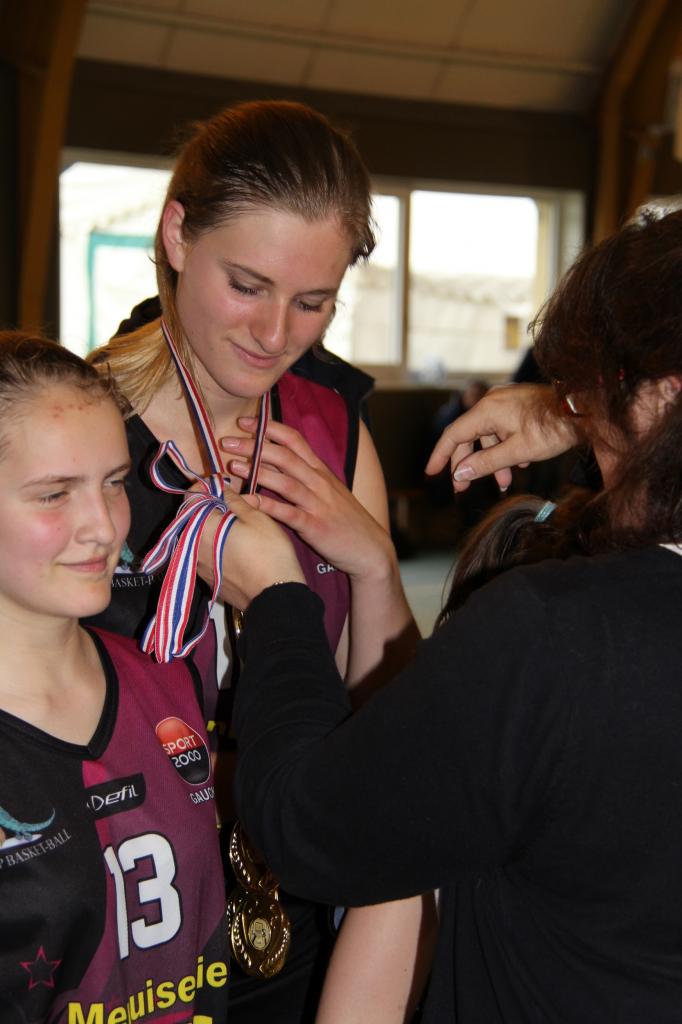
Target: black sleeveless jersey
111, 886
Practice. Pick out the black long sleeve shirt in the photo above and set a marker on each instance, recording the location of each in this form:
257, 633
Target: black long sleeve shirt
528, 763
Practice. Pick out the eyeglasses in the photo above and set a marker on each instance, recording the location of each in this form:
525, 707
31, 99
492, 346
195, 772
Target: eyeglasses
569, 400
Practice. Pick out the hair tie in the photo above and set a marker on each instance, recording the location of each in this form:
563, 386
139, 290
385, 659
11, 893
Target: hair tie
545, 511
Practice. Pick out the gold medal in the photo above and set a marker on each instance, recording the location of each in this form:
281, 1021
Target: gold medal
232, 906
249, 869
237, 622
260, 933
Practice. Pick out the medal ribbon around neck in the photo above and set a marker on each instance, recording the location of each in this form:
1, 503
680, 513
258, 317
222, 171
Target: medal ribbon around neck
164, 636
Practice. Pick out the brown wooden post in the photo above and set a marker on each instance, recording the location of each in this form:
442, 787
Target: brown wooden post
609, 193
634, 129
40, 39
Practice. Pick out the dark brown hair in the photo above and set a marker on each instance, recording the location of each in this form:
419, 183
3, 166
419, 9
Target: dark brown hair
511, 534
613, 325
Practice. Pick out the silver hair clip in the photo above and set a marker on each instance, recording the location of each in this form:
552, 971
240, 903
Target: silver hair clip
545, 511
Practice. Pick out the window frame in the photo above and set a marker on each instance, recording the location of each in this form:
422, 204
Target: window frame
561, 234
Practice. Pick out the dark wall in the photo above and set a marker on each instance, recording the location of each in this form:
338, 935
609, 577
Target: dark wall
401, 421
9, 218
139, 110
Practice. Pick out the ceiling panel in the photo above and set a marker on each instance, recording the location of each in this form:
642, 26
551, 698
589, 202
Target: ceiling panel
303, 14
115, 39
579, 30
425, 24
530, 54
377, 75
158, 5
230, 57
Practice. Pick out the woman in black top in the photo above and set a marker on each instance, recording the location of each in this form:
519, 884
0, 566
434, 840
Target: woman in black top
527, 762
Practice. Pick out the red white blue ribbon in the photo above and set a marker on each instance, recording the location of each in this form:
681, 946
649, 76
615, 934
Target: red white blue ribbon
178, 545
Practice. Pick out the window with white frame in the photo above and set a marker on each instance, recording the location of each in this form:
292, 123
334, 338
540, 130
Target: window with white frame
456, 275
455, 280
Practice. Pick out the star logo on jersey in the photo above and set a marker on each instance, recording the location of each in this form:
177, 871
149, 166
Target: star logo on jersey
41, 970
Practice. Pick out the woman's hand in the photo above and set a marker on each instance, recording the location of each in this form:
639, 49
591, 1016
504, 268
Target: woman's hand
257, 553
349, 531
316, 504
515, 424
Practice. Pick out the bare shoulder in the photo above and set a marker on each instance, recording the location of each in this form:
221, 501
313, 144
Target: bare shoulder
369, 486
